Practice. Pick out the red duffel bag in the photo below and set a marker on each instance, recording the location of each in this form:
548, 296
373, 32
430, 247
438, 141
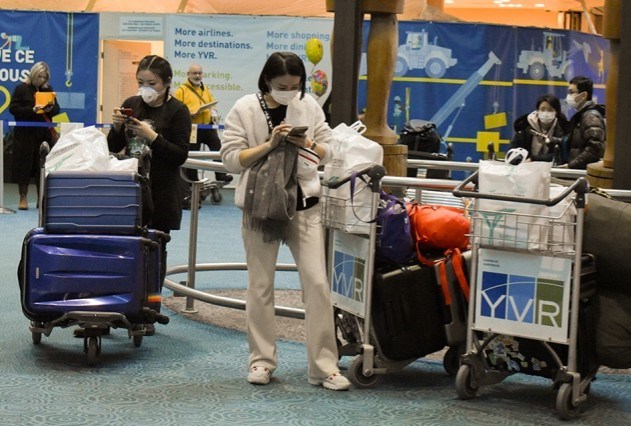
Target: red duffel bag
437, 227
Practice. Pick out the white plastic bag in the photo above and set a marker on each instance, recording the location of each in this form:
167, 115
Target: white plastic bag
509, 223
351, 151
80, 149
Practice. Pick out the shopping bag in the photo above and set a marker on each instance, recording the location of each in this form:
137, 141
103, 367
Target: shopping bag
81, 149
351, 152
510, 223
394, 243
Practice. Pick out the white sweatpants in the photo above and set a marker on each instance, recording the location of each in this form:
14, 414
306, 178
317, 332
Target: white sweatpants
306, 243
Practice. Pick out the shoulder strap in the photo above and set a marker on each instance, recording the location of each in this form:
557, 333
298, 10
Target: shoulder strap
192, 89
270, 125
456, 263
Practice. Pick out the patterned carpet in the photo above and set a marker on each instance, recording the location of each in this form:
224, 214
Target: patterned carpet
193, 373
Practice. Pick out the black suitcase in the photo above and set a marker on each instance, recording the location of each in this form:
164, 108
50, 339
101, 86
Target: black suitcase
407, 313
529, 356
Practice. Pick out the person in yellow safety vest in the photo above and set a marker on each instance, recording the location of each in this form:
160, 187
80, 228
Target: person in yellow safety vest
194, 94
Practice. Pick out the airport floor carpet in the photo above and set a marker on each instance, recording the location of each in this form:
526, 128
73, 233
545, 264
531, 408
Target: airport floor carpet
193, 373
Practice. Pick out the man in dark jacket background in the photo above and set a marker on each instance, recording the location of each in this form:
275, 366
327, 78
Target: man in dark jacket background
586, 131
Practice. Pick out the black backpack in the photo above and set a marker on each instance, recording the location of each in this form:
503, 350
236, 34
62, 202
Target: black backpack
420, 136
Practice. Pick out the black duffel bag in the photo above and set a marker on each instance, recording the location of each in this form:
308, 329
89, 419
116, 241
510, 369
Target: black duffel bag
420, 136
423, 142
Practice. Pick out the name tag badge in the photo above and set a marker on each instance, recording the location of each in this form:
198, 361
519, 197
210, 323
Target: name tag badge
194, 134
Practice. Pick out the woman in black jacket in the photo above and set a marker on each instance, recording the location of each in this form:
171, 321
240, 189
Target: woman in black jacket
163, 124
27, 140
541, 131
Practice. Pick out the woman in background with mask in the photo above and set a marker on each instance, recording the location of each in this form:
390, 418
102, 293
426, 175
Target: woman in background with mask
162, 125
279, 192
541, 131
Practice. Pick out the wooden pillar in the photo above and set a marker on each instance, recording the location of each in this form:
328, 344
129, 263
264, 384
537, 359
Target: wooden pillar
381, 56
622, 171
601, 173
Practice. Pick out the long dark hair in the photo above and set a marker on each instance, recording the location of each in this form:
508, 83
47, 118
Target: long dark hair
283, 63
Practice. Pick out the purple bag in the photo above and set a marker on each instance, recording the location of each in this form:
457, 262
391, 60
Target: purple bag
394, 238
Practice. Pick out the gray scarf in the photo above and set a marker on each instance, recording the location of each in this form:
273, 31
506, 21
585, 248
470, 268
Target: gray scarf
271, 192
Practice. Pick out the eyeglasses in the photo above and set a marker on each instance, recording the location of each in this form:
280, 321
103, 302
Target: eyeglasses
196, 72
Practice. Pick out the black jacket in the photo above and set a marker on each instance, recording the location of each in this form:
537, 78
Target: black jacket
586, 136
523, 138
172, 122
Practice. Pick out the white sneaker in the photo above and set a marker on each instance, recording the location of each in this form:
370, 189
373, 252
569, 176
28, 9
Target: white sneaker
335, 381
259, 375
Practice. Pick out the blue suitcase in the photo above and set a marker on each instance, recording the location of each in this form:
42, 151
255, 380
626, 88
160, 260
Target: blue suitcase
94, 273
93, 203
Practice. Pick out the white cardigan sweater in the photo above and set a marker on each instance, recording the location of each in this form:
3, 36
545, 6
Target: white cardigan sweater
246, 127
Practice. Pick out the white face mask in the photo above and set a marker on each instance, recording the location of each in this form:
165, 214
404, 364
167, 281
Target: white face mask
283, 97
149, 94
546, 117
571, 100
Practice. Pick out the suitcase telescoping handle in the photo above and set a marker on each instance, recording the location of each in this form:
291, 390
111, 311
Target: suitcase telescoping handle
44, 149
580, 186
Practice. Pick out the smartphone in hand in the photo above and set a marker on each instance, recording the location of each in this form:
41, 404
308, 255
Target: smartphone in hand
127, 111
298, 131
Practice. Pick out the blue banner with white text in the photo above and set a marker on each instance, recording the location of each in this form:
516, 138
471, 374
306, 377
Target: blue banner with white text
67, 42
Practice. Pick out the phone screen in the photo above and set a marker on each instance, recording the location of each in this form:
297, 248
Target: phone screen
298, 130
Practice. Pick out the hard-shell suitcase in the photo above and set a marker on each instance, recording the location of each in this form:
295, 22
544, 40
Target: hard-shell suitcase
61, 273
407, 312
93, 203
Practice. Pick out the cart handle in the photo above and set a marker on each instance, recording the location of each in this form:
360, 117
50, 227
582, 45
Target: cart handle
580, 186
375, 172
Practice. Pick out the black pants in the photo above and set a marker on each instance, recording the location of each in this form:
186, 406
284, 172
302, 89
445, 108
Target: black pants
210, 138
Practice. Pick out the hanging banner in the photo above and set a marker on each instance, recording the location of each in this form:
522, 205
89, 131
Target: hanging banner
233, 49
67, 42
475, 80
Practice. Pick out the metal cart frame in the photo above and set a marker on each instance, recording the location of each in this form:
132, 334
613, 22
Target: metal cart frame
475, 370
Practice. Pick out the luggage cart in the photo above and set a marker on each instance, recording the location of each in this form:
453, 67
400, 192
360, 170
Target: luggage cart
526, 284
367, 302
51, 293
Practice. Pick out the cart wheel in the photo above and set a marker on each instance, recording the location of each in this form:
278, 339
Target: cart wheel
215, 196
451, 360
357, 377
37, 337
463, 383
92, 350
137, 338
567, 410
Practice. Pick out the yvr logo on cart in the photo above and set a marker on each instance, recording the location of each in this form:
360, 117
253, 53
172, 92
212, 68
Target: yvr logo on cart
348, 276
522, 298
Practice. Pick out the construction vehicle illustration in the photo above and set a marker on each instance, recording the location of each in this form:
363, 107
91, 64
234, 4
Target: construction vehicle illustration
457, 100
551, 58
419, 53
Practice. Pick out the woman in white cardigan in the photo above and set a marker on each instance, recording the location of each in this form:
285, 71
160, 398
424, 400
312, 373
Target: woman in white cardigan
279, 192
